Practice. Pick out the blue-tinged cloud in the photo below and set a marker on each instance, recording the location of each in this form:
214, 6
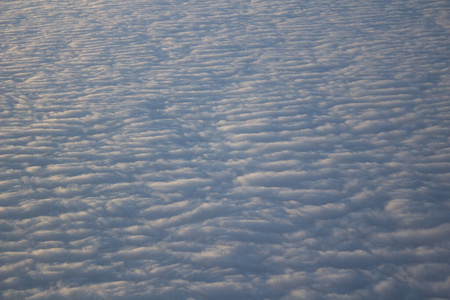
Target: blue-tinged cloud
228, 150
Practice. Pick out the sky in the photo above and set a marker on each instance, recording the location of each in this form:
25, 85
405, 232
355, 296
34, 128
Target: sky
229, 149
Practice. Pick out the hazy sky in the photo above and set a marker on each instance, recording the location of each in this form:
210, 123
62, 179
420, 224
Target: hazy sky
228, 149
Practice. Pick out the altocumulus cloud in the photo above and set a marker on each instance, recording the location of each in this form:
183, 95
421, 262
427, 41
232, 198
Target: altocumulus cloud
224, 149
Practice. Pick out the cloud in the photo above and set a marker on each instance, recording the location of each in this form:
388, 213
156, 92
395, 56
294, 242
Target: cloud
235, 149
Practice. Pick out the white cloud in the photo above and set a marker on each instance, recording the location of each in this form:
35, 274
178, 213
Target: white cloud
235, 149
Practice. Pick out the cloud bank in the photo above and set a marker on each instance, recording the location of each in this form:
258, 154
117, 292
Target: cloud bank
224, 150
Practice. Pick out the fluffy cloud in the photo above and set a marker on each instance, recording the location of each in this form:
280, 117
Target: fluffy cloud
235, 149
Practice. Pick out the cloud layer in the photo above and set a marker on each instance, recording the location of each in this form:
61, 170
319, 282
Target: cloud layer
228, 150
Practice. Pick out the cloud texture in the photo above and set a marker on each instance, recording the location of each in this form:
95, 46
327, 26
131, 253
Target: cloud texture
224, 149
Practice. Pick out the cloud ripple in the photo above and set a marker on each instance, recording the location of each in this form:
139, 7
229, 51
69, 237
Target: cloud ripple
227, 150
